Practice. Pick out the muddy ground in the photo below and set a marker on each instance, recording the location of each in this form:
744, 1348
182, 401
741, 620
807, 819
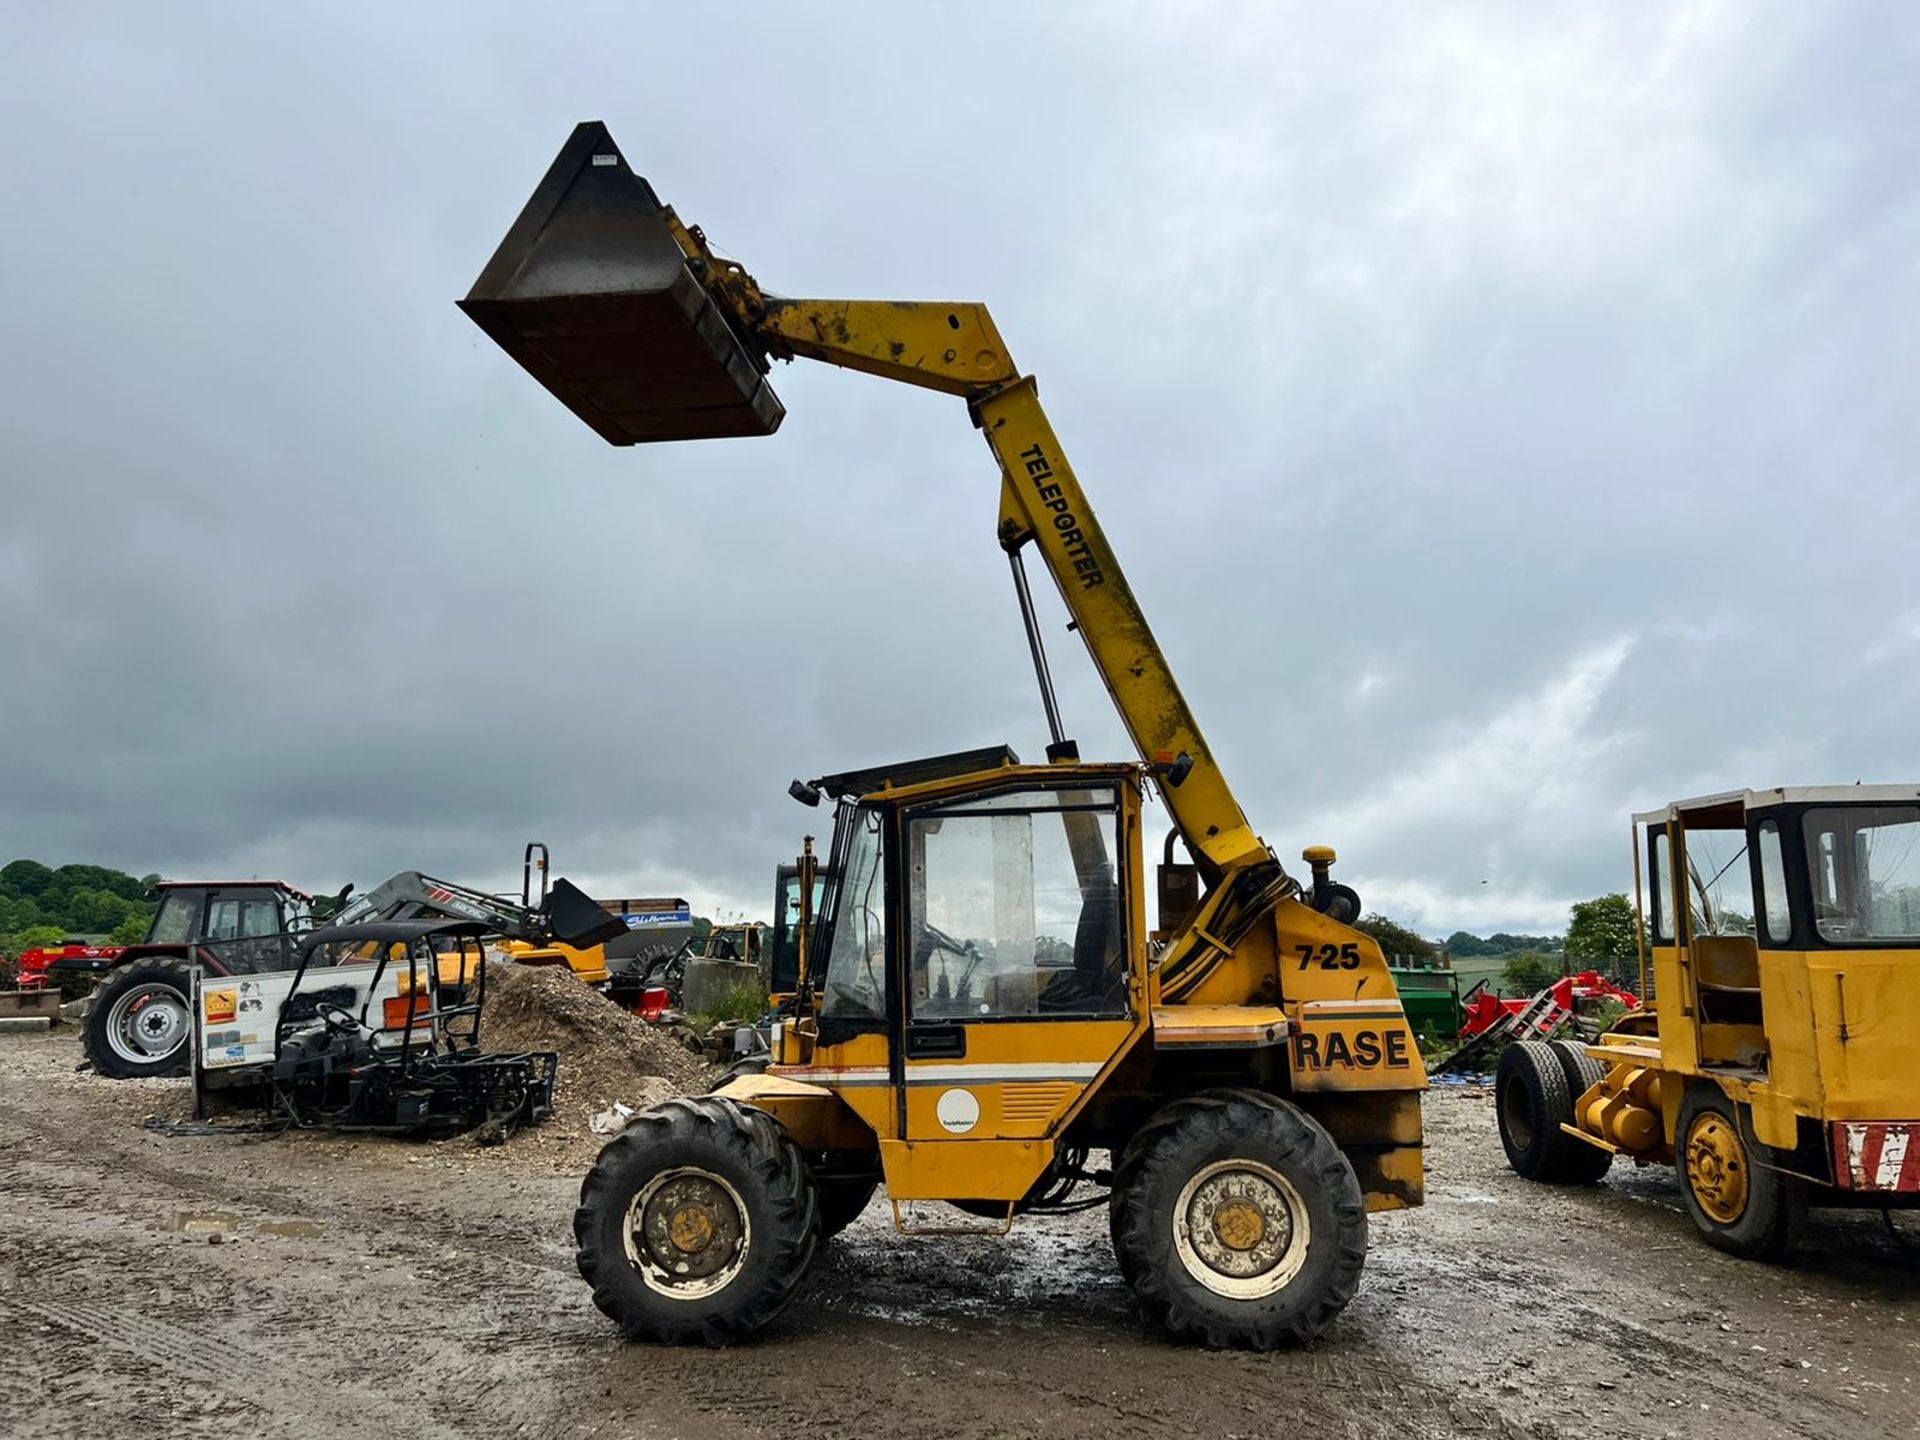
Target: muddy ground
155, 1285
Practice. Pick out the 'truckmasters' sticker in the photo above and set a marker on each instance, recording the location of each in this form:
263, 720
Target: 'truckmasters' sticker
958, 1111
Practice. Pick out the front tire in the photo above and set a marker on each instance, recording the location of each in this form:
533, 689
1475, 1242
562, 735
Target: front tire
697, 1223
1737, 1203
141, 1024
1238, 1222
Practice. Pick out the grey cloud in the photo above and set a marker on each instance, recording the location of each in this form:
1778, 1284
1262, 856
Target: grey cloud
1417, 366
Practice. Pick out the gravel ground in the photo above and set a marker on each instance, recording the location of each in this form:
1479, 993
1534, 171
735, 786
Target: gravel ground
298, 1284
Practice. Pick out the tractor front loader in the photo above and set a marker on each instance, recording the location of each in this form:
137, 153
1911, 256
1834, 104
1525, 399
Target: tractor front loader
981, 1004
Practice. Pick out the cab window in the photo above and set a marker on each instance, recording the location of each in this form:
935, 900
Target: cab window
857, 954
1777, 918
1660, 882
1866, 872
174, 922
1014, 909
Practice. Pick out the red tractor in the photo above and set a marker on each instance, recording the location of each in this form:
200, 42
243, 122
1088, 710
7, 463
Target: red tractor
141, 1020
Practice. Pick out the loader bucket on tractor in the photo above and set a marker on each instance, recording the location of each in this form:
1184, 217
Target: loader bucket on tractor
577, 919
593, 295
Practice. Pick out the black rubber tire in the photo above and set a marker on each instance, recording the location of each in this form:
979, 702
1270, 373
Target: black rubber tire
1583, 1072
752, 1153
1776, 1208
746, 1065
842, 1202
173, 971
1185, 1138
1531, 1100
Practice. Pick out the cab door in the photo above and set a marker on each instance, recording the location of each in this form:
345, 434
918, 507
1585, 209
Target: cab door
1016, 945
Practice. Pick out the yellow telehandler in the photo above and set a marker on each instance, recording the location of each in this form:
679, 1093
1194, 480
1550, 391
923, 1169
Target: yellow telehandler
1779, 1064
981, 1006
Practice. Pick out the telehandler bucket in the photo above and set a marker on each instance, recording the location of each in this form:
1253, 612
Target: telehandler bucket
592, 294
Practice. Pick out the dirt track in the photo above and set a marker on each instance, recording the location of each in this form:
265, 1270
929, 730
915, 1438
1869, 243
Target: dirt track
372, 1287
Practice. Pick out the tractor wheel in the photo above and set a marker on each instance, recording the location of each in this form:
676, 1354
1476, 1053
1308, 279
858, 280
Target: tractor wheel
697, 1223
1237, 1221
746, 1065
842, 1202
1738, 1204
1532, 1099
141, 1024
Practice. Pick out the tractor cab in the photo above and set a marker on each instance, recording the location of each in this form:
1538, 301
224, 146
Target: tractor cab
1783, 931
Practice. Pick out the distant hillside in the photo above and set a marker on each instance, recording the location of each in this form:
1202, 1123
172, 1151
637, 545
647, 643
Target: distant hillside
1465, 945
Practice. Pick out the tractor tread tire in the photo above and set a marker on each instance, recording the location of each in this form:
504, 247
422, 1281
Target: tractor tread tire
1776, 1210
1534, 1075
177, 970
1199, 1130
746, 1065
842, 1202
751, 1151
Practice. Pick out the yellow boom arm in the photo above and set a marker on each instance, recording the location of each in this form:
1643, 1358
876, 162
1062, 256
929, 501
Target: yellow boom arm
956, 349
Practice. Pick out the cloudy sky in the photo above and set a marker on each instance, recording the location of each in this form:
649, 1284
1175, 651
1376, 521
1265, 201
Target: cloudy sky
1507, 415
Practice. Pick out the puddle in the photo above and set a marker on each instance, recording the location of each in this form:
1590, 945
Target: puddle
226, 1222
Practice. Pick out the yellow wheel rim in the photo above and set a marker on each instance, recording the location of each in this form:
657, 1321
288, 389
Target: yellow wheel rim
1717, 1168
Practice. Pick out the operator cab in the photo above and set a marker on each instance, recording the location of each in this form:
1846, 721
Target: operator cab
1783, 927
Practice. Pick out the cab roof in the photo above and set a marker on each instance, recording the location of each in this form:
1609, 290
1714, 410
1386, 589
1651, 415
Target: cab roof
1729, 806
232, 885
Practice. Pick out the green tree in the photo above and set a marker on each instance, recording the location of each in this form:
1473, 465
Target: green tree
1397, 939
132, 930
1601, 934
1465, 944
23, 879
1528, 974
38, 937
18, 915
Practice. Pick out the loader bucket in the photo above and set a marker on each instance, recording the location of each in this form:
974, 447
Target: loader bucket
591, 293
575, 918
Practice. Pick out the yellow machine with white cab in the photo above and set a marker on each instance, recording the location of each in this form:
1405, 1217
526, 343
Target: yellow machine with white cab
1778, 1066
981, 1006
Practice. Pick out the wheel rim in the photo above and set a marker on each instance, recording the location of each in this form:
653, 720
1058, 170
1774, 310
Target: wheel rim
687, 1233
1241, 1229
1516, 1115
1717, 1171
147, 1023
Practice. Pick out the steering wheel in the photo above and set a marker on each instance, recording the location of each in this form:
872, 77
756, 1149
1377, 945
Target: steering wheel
337, 1018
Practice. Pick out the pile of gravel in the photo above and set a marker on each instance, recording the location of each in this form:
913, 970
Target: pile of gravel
607, 1055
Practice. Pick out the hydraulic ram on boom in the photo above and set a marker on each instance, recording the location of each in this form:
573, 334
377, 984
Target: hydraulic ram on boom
982, 1005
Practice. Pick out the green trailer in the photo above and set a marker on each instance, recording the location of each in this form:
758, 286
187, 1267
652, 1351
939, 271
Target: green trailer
1431, 994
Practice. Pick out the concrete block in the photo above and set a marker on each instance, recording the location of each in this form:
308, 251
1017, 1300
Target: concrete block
707, 980
29, 1002
25, 1024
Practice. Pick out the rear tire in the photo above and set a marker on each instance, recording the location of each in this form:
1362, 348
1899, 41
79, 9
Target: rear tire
141, 1024
747, 1065
842, 1202
1736, 1202
1583, 1072
1238, 1222
697, 1223
1532, 1100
